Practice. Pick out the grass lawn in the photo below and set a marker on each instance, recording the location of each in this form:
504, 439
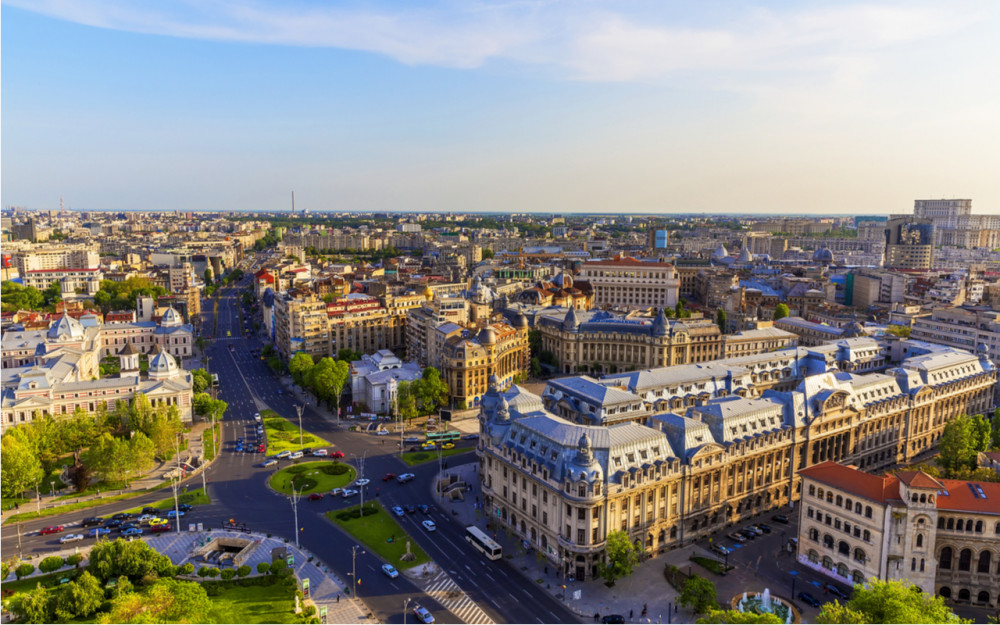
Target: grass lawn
373, 530
47, 581
254, 604
194, 497
420, 457
313, 477
93, 489
83, 505
282, 434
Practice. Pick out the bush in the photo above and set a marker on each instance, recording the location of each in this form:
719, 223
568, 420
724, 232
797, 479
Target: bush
50, 564
5, 571
278, 566
355, 513
228, 574
74, 560
187, 569
243, 571
24, 569
310, 611
203, 571
213, 572
335, 468
263, 568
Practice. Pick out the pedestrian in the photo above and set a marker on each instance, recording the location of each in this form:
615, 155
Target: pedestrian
630, 614
338, 597
597, 616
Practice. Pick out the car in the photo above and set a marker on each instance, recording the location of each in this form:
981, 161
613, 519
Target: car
121, 516
752, 531
186, 507
382, 433
98, 531
721, 550
363, 481
256, 416
239, 439
71, 538
113, 523
423, 615
126, 526
390, 571
306, 451
175, 513
405, 477
448, 446
737, 537
388, 477
764, 527
807, 598
336, 491
161, 527
295, 455
429, 525
746, 534
411, 439
428, 446
239, 449
158, 521
398, 511
146, 518
93, 520
132, 531
150, 510
471, 437
410, 509
615, 619
780, 518
336, 454
51, 529
424, 508
315, 496
283, 454
348, 493
321, 452
269, 463
836, 591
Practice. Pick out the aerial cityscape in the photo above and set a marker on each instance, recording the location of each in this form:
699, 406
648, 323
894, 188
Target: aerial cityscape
499, 313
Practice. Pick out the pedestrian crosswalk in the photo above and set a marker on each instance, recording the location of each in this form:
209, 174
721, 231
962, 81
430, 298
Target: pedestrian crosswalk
447, 593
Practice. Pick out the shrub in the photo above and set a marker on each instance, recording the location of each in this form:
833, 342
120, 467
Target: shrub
355, 513
4, 570
228, 574
243, 571
203, 571
74, 560
263, 568
278, 566
336, 468
50, 564
24, 569
310, 611
213, 572
186, 569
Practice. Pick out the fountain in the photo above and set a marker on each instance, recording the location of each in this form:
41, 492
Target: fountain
764, 603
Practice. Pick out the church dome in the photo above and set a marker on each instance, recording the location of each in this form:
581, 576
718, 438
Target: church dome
66, 329
487, 336
520, 321
171, 318
745, 256
720, 253
162, 365
823, 255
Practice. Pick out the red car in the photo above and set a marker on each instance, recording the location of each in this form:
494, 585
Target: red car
336, 454
315, 496
163, 527
388, 477
261, 449
52, 529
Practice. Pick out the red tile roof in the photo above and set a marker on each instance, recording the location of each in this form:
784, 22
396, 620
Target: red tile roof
854, 481
917, 479
964, 496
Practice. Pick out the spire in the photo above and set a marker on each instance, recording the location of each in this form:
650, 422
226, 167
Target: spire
570, 322
660, 325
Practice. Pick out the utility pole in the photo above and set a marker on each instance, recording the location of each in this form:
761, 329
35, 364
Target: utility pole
177, 484
38, 497
299, 408
406, 602
17, 528
361, 475
294, 499
354, 568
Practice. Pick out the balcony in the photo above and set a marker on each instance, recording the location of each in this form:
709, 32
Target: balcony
580, 549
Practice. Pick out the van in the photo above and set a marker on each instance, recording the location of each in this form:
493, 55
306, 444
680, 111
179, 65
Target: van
295, 455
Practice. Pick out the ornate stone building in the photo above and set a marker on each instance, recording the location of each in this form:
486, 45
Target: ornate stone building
467, 361
630, 283
941, 535
711, 445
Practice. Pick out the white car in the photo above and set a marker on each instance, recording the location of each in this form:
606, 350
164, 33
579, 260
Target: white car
321, 452
71, 538
350, 492
429, 525
336, 491
390, 571
256, 416
398, 511
363, 481
423, 615
146, 518
382, 433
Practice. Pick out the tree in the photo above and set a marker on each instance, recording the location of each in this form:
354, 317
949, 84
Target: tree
536, 367
51, 563
901, 331
52, 294
19, 466
201, 380
134, 560
208, 275
166, 601
979, 432
622, 557
406, 400
535, 341
720, 320
698, 594
33, 607
17, 297
735, 617
299, 365
956, 445
24, 569
889, 602
81, 597
430, 391
487, 253
348, 355
781, 311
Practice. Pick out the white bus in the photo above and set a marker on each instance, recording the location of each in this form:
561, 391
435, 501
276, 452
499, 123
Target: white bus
483, 543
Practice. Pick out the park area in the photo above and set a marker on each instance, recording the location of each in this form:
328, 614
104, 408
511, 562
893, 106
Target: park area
420, 457
282, 434
313, 477
379, 532
196, 497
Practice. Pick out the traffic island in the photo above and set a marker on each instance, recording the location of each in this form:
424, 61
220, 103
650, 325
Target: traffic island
380, 533
312, 477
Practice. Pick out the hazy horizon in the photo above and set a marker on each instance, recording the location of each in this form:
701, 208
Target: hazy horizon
632, 107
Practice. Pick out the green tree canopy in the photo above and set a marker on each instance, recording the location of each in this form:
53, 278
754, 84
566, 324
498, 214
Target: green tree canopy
18, 297
202, 380
33, 607
735, 617
133, 559
166, 601
299, 366
80, 598
622, 557
20, 467
121, 295
698, 594
781, 311
889, 602
720, 320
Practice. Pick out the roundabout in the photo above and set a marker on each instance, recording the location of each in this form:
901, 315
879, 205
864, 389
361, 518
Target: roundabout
312, 477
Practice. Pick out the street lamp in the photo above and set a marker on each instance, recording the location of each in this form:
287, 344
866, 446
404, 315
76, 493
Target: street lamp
795, 576
354, 568
294, 499
299, 408
53, 485
406, 602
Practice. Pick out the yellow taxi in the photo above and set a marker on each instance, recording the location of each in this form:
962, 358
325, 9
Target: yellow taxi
448, 446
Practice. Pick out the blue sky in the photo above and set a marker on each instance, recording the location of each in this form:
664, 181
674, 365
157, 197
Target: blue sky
797, 107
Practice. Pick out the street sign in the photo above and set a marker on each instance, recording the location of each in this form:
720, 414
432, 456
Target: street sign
291, 560
305, 588
577, 594
322, 613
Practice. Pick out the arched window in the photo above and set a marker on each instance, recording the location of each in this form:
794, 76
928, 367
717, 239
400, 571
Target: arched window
840, 501
944, 560
860, 555
842, 570
868, 512
984, 597
844, 548
964, 594
867, 536
979, 527
945, 592
828, 541
984, 561
920, 540
813, 556
858, 577
951, 524
996, 530
965, 560
813, 534
828, 563
829, 496
940, 522
812, 490
857, 508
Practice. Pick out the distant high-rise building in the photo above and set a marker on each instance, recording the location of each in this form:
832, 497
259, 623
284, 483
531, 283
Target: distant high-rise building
943, 213
658, 239
909, 243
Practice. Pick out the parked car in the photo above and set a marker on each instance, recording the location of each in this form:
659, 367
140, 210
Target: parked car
174, 513
146, 518
405, 477
112, 524
471, 437
780, 518
162, 527
306, 451
158, 521
737, 537
429, 525
98, 531
185, 507
807, 598
51, 529
132, 531
256, 416
763, 527
336, 454
348, 493
721, 550
836, 591
121, 516
410, 509
398, 511
269, 463
388, 477
752, 531
336, 491
295, 455
283, 454
71, 538
390, 571
321, 452
126, 526
315, 496
423, 615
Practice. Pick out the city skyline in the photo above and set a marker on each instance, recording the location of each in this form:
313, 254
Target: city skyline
613, 108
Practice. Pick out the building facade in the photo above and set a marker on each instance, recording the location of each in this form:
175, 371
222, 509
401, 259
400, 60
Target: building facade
631, 283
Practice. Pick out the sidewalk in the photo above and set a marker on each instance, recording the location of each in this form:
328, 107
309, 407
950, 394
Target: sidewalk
154, 478
646, 586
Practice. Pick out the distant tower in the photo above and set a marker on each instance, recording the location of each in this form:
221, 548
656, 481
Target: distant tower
293, 202
62, 206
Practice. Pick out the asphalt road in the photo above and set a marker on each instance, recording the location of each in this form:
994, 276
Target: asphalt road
238, 491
